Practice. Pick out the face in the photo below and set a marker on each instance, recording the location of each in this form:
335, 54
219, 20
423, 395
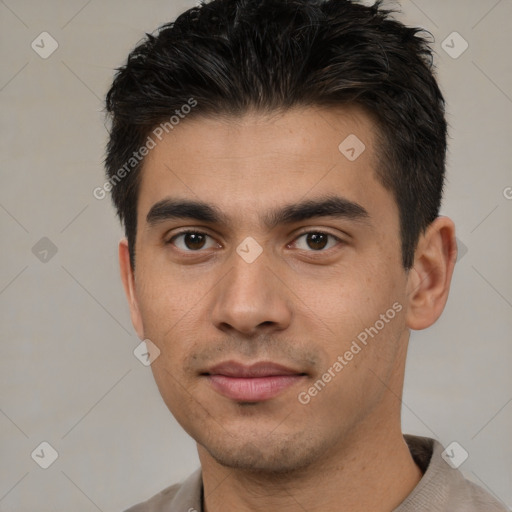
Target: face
269, 276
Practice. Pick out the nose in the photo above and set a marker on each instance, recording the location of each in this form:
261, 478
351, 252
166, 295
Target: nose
251, 299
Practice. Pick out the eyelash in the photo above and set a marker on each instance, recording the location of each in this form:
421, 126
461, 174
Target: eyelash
304, 233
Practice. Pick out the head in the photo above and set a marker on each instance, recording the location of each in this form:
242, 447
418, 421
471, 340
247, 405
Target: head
301, 144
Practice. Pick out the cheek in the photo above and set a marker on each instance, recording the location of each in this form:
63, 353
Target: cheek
166, 300
350, 299
180, 396
172, 312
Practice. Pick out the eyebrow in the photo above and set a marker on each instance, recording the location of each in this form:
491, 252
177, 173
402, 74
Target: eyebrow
332, 206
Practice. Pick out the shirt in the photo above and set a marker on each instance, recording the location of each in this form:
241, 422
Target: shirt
441, 489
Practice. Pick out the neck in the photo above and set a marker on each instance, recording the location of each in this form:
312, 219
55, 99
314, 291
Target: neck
369, 470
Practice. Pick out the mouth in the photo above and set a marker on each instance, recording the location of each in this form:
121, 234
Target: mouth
257, 382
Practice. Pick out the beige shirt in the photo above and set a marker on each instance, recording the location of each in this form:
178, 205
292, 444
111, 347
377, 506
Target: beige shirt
441, 489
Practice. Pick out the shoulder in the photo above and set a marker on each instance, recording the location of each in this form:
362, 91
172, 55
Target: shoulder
466, 496
158, 501
443, 488
182, 497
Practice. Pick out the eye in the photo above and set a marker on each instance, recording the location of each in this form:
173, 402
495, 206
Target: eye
191, 241
316, 241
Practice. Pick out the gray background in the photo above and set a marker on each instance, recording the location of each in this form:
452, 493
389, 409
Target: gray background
68, 374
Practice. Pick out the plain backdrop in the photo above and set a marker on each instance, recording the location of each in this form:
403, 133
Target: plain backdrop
67, 370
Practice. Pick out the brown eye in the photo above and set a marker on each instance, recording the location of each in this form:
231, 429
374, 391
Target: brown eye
194, 241
316, 241
190, 241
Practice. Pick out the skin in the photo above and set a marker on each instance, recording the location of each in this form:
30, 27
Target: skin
296, 305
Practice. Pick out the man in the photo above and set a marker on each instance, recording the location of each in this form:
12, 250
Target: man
278, 166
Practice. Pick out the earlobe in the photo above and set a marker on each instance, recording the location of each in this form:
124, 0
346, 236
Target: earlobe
128, 279
430, 278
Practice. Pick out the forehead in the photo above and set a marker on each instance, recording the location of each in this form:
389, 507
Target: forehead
257, 161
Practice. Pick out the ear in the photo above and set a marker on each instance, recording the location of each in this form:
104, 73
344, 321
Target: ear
428, 282
128, 278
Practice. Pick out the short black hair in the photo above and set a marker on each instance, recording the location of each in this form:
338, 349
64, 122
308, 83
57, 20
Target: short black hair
228, 57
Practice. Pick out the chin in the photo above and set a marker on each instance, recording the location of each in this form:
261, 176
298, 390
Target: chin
267, 454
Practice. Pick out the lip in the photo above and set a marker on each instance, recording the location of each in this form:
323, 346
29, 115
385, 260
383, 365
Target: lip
257, 382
